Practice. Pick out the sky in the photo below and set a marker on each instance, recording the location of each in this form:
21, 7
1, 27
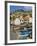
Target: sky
25, 8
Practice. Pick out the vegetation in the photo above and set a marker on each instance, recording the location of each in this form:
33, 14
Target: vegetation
20, 12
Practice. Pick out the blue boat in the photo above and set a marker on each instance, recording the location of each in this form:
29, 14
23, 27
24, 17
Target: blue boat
25, 34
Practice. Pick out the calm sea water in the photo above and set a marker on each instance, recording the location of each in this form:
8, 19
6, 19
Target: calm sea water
28, 31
